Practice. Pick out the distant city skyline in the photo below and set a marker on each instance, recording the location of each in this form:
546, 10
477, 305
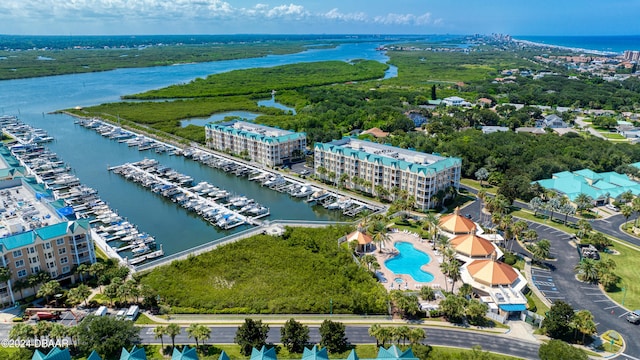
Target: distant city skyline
119, 17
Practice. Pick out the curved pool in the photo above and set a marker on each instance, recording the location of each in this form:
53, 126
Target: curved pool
409, 261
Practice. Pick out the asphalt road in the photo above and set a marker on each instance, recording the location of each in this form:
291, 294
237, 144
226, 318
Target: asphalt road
360, 335
560, 283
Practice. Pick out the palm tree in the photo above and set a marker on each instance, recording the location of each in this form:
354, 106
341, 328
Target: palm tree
401, 333
540, 250
374, 331
82, 292
583, 202
583, 322
431, 222
369, 259
22, 331
482, 174
518, 228
198, 332
158, 333
626, 196
385, 334
584, 227
20, 285
536, 204
553, 205
172, 330
83, 269
42, 329
530, 235
48, 289
465, 290
416, 335
626, 211
58, 331
379, 238
635, 204
567, 209
587, 270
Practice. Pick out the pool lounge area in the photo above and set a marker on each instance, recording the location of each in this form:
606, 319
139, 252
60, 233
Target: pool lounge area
409, 263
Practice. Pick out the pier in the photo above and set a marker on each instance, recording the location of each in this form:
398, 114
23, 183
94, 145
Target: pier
224, 216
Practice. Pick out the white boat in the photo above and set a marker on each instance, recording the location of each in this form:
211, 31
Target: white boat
304, 191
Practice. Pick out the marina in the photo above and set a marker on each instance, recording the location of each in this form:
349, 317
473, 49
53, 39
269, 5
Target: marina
90, 153
78, 201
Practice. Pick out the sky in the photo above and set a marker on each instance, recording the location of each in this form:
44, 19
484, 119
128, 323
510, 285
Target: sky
124, 17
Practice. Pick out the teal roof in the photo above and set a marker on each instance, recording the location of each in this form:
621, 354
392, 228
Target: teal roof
595, 185
636, 165
223, 356
315, 354
18, 240
229, 129
94, 356
393, 352
52, 231
263, 354
424, 169
187, 353
352, 355
55, 354
136, 353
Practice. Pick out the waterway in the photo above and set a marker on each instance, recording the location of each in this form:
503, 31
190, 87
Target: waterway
89, 154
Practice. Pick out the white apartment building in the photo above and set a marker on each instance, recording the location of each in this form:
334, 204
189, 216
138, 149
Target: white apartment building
263, 144
420, 175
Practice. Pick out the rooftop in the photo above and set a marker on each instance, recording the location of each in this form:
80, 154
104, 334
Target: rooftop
256, 131
596, 185
25, 208
387, 155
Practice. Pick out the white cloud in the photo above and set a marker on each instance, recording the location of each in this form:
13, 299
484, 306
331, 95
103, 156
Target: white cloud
143, 11
405, 19
335, 14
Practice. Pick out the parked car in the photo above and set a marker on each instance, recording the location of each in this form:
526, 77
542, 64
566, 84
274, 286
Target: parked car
43, 315
612, 207
634, 317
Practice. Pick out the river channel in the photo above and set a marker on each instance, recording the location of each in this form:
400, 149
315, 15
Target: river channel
90, 154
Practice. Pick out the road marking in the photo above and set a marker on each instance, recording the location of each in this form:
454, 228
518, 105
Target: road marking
601, 300
611, 307
541, 270
588, 287
595, 294
543, 283
629, 356
623, 314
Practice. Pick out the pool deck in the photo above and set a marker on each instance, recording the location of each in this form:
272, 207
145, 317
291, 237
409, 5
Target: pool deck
389, 251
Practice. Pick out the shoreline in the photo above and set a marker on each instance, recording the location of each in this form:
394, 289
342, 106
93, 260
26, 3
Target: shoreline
569, 48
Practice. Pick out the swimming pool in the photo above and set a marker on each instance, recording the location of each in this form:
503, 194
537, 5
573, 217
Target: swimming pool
408, 262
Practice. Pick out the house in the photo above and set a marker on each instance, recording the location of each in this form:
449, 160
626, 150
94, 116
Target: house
455, 101
484, 102
531, 130
457, 224
493, 129
417, 118
552, 121
376, 133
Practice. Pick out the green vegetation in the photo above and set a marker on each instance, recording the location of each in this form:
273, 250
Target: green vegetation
306, 268
34, 63
263, 80
628, 269
557, 349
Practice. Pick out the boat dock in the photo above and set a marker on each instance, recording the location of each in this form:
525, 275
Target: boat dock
203, 198
80, 201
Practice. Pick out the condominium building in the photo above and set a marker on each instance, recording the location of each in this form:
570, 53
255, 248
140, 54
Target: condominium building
38, 233
263, 144
369, 166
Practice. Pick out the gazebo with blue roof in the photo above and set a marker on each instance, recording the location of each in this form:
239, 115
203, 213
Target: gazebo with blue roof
55, 354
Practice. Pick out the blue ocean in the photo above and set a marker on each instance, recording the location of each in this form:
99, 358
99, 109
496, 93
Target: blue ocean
617, 44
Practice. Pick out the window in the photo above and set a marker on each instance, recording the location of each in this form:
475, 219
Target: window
66, 270
35, 269
19, 263
32, 250
54, 274
22, 273
17, 253
64, 260
49, 255
33, 260
47, 245
62, 251
60, 241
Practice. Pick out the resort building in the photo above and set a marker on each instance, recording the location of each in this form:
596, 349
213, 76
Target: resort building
263, 144
601, 187
499, 281
370, 167
455, 101
471, 247
456, 224
38, 233
363, 240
